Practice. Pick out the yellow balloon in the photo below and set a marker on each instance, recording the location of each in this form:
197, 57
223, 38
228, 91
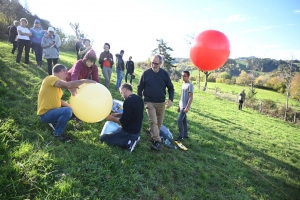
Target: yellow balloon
92, 103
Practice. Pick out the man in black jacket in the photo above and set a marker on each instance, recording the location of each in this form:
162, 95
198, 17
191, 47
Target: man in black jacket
132, 118
129, 69
13, 33
152, 85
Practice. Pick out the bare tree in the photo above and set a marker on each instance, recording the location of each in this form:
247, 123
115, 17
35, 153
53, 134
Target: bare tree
75, 27
189, 38
288, 73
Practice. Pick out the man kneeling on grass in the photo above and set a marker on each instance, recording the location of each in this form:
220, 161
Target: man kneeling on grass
51, 108
131, 120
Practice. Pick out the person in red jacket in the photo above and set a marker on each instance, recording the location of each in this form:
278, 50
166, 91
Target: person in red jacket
84, 69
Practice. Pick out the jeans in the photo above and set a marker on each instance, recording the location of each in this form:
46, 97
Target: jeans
49, 62
106, 71
21, 45
182, 124
130, 73
155, 112
15, 46
38, 50
119, 78
61, 116
118, 138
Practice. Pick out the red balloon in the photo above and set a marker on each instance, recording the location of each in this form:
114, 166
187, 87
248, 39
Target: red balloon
210, 50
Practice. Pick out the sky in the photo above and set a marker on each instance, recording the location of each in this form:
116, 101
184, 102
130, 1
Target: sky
261, 28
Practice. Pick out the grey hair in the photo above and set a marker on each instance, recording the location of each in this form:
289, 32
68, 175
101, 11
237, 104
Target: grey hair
161, 58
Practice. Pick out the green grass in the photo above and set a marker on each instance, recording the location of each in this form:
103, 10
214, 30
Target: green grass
232, 154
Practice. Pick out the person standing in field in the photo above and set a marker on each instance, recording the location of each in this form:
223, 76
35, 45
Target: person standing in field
152, 85
186, 99
83, 50
129, 69
78, 45
36, 40
241, 98
119, 68
51, 108
24, 35
106, 62
13, 35
50, 44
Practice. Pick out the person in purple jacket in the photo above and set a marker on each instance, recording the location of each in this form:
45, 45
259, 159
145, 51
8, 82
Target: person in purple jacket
84, 69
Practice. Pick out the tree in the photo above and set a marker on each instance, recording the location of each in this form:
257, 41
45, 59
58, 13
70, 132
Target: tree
295, 89
164, 50
243, 78
75, 26
288, 73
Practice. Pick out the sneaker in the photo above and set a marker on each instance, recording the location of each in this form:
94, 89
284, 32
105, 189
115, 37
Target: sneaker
132, 145
179, 139
186, 137
156, 146
52, 125
138, 139
63, 138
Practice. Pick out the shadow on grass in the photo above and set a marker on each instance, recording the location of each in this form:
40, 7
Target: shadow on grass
233, 159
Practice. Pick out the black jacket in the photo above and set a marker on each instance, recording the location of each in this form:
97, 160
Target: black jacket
130, 66
119, 62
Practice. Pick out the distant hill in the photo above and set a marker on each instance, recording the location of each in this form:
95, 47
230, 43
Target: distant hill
235, 66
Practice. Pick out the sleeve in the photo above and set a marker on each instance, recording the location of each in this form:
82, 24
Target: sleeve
112, 60
191, 88
141, 85
95, 74
57, 41
76, 71
44, 43
170, 88
126, 65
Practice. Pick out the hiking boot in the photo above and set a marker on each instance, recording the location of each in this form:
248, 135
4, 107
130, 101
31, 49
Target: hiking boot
63, 138
156, 146
132, 145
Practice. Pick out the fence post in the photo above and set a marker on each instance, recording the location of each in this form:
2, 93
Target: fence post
295, 117
260, 107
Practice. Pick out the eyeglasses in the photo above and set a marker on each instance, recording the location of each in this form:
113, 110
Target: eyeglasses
153, 63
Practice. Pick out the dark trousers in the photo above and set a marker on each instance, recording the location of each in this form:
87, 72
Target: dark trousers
49, 62
21, 45
241, 104
15, 46
130, 73
38, 50
118, 138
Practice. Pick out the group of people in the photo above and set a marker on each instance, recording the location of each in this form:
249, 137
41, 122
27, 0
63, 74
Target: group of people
151, 95
106, 62
43, 42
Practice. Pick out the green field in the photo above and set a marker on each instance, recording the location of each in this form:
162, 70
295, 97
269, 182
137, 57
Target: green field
262, 95
232, 154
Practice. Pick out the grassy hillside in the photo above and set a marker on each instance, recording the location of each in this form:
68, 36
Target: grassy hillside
232, 154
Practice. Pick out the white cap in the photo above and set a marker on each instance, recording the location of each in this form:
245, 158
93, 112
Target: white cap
50, 29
